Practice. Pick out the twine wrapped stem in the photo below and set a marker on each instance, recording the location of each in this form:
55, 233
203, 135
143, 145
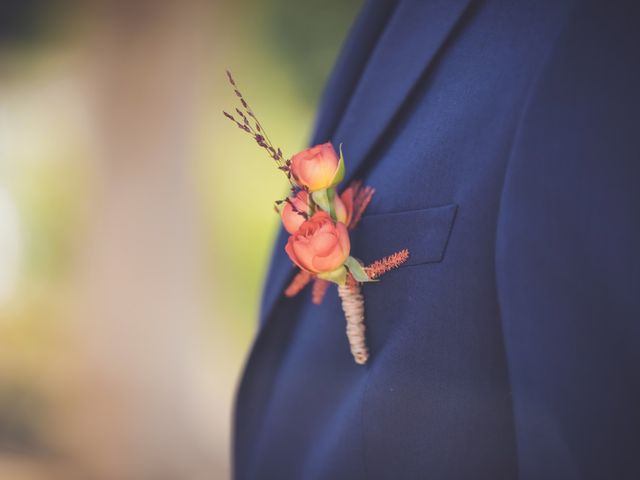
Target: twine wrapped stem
353, 307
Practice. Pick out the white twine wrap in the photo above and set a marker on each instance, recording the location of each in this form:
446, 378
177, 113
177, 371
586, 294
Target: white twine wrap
353, 306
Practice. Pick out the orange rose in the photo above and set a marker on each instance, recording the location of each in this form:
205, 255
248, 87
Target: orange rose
315, 167
292, 219
319, 245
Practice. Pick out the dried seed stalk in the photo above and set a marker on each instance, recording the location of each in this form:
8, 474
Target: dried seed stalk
361, 196
319, 290
386, 264
298, 283
353, 307
360, 204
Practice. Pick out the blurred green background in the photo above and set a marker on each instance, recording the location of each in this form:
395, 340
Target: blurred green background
136, 222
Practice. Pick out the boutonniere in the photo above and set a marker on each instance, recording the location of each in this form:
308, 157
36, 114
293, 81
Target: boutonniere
318, 220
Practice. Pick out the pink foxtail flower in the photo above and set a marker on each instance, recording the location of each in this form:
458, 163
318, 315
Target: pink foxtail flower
382, 266
319, 290
300, 281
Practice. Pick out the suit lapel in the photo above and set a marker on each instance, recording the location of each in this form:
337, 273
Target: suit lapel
413, 36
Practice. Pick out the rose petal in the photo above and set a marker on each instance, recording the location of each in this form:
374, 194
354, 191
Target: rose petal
343, 238
330, 262
289, 249
304, 253
323, 243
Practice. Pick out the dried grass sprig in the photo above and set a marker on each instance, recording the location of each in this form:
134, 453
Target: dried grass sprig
319, 290
255, 129
300, 281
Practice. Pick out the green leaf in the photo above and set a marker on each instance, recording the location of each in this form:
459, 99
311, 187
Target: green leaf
339, 275
357, 270
311, 205
332, 210
337, 178
321, 198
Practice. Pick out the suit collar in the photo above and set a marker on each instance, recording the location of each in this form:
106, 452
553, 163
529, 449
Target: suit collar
410, 44
350, 65
414, 34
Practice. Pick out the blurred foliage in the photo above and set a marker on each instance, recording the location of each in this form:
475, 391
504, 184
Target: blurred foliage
48, 197
305, 38
280, 52
22, 20
31, 23
20, 419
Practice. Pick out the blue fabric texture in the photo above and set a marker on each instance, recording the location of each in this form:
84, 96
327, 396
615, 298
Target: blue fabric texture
503, 141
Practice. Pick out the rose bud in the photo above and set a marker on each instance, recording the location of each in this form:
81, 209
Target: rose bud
345, 211
295, 207
315, 167
294, 210
319, 246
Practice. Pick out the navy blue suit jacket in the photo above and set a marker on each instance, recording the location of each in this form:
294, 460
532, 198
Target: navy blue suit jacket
503, 140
